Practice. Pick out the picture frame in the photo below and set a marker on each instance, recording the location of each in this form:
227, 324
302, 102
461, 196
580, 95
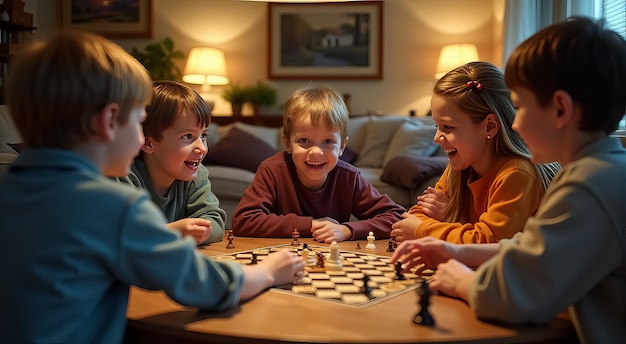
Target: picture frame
339, 41
127, 19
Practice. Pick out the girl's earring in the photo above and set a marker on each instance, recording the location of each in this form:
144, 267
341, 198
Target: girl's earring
488, 137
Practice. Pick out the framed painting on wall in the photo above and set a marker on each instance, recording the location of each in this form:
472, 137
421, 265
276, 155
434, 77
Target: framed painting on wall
325, 41
112, 19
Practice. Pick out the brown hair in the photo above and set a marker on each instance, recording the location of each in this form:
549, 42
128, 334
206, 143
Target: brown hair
55, 87
325, 106
580, 57
169, 100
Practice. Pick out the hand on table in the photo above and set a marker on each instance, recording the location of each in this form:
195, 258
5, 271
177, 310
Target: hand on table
452, 278
405, 228
428, 251
197, 228
329, 231
285, 266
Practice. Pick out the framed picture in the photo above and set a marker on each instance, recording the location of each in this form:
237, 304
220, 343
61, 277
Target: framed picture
325, 41
112, 19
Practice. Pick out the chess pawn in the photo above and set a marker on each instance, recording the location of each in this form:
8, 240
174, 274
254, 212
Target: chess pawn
370, 241
334, 259
308, 258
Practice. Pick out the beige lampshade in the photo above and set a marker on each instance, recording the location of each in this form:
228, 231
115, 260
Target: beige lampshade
454, 55
205, 66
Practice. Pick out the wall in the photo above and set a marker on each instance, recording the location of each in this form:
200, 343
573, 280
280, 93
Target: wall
413, 33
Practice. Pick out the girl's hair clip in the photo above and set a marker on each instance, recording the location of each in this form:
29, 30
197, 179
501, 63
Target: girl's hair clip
474, 84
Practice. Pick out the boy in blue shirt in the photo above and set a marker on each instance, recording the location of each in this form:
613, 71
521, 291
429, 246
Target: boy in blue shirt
169, 165
73, 241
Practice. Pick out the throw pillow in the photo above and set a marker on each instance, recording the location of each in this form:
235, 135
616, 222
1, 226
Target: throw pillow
379, 132
17, 147
239, 149
410, 171
411, 138
348, 155
272, 136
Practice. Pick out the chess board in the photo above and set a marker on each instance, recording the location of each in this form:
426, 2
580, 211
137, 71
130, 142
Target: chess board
343, 285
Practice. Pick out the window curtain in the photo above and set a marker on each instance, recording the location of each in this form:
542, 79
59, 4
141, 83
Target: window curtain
522, 18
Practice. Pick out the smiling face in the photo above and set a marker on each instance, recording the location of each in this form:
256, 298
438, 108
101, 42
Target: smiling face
464, 141
315, 150
178, 154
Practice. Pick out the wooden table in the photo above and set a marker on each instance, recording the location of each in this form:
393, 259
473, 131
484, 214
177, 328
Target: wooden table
274, 317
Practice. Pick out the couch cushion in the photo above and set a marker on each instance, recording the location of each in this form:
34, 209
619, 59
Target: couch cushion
398, 194
410, 171
411, 138
357, 127
378, 134
238, 148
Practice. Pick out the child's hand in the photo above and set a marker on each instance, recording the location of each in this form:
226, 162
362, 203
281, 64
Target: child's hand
198, 228
452, 278
428, 251
405, 228
329, 231
329, 219
284, 266
432, 203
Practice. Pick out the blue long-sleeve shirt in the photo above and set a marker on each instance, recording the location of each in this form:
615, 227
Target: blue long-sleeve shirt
74, 241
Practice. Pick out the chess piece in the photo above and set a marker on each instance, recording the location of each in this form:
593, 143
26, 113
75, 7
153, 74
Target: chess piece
366, 288
230, 240
370, 241
334, 259
390, 246
320, 260
358, 246
295, 235
399, 274
308, 259
254, 259
394, 241
424, 317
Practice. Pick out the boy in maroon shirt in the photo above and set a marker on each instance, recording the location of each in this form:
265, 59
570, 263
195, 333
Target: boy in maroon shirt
307, 187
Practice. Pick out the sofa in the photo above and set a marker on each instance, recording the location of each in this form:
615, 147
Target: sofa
395, 153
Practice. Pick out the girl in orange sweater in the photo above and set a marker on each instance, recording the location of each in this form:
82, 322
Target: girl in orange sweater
490, 186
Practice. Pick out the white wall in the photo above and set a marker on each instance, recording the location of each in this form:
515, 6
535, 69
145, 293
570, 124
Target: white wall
413, 33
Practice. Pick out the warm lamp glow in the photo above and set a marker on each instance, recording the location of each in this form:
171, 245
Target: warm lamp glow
205, 66
455, 55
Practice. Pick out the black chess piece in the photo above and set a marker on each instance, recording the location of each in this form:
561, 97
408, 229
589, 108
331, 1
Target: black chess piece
365, 288
424, 317
390, 246
230, 240
358, 246
254, 259
399, 274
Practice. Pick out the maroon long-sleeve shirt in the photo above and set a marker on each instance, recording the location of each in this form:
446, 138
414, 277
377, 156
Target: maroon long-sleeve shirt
276, 202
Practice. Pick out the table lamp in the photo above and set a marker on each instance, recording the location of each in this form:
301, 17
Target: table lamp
454, 55
205, 66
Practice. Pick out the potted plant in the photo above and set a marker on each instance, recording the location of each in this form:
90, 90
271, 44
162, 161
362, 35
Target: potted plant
262, 95
159, 59
236, 95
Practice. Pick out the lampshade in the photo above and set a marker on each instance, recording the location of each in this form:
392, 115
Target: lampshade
205, 66
454, 55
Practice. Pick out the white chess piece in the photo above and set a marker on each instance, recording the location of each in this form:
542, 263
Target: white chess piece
309, 260
334, 259
370, 241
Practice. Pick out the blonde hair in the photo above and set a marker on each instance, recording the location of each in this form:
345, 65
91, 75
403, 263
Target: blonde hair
485, 94
323, 104
55, 87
